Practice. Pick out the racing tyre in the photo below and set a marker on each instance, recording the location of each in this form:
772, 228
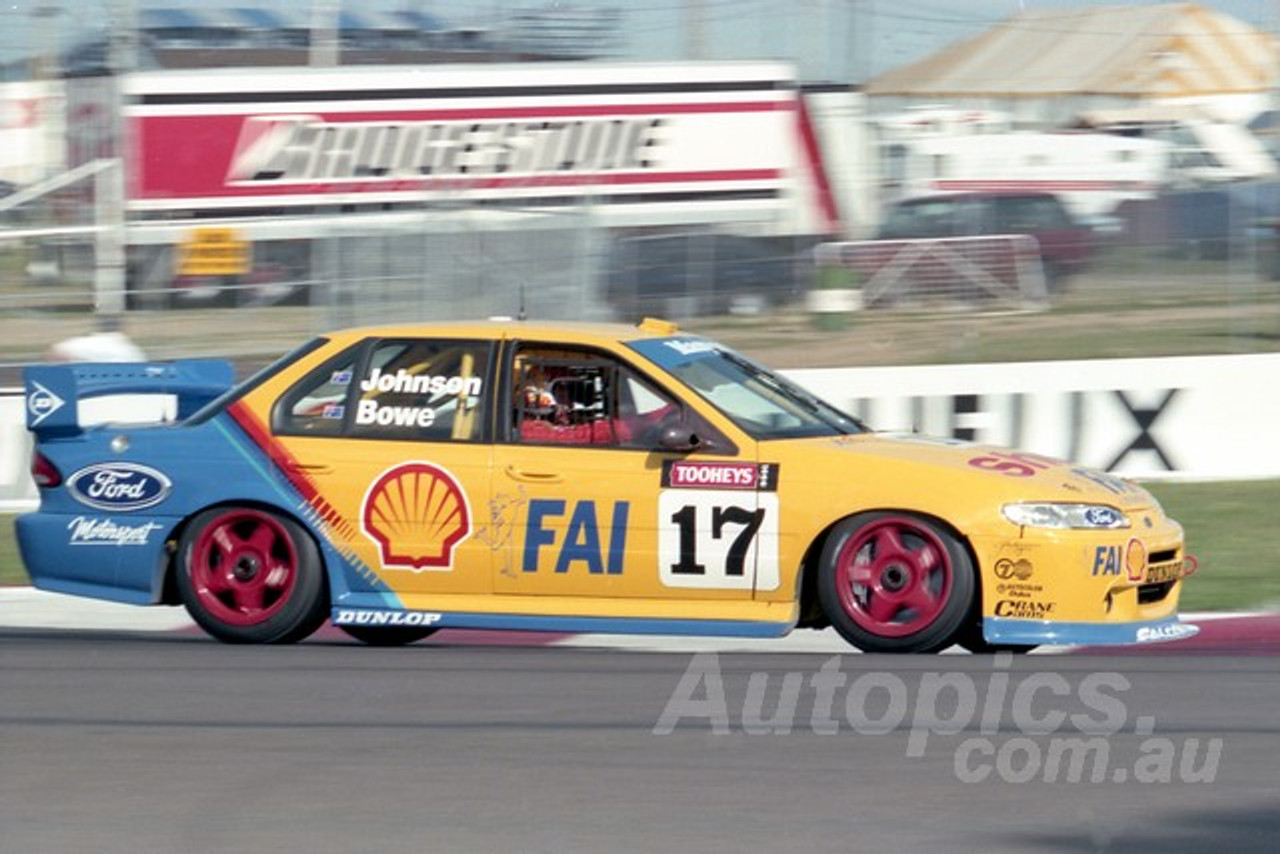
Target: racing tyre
895, 582
388, 635
250, 576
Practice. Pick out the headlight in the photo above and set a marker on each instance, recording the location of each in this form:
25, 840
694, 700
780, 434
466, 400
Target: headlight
1047, 515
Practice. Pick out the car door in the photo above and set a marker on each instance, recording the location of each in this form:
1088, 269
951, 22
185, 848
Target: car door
583, 486
390, 439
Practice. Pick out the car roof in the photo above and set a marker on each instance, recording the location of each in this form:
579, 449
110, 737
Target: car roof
499, 329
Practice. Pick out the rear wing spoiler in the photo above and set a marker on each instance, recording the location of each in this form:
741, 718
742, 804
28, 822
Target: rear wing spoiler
53, 392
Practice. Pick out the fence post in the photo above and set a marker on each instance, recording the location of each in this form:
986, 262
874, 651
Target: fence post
835, 297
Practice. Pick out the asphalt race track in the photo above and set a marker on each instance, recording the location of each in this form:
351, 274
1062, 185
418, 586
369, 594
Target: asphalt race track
166, 741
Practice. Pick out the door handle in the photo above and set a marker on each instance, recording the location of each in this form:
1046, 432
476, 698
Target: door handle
517, 473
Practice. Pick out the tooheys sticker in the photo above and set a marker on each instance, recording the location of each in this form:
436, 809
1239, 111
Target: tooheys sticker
681, 474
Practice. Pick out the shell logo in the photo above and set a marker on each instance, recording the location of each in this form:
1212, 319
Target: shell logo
1135, 560
417, 514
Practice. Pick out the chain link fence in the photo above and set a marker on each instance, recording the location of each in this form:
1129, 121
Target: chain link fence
1156, 298
1190, 272
468, 265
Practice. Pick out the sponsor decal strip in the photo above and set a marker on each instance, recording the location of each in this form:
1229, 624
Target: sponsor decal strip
526, 622
1031, 631
679, 474
87, 531
374, 617
323, 517
287, 466
581, 539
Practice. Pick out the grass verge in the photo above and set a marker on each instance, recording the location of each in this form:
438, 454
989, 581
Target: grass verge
1226, 525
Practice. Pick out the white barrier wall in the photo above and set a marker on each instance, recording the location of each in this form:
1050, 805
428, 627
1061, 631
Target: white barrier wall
1204, 417
17, 491
1201, 417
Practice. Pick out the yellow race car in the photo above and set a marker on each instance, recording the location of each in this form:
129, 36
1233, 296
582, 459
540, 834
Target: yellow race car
560, 477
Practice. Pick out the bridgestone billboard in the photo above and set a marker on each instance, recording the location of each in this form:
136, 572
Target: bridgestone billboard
659, 136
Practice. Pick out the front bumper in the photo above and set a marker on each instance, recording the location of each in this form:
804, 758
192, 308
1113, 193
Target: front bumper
1085, 587
1003, 630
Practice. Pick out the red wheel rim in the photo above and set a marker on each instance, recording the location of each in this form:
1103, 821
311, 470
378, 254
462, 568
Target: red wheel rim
893, 577
243, 567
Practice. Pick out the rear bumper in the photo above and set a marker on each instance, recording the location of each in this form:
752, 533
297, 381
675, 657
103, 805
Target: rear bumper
118, 558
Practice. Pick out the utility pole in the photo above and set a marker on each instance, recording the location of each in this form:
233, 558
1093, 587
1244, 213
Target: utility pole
111, 237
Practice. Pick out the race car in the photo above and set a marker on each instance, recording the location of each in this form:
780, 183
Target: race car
514, 475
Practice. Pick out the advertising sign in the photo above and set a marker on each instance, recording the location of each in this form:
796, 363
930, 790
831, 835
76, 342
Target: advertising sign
623, 135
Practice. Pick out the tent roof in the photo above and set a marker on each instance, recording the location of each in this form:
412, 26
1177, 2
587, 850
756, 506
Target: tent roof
1156, 51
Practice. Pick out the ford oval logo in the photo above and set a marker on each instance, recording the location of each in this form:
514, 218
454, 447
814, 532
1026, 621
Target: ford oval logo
1102, 517
119, 486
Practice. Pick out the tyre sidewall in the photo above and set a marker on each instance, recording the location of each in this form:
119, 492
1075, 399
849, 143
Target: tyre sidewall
388, 635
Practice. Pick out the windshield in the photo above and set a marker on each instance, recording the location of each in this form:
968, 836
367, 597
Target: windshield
763, 404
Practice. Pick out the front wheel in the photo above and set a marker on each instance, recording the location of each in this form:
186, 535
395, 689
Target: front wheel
895, 582
250, 576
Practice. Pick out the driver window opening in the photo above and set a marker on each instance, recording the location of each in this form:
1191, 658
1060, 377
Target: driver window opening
565, 397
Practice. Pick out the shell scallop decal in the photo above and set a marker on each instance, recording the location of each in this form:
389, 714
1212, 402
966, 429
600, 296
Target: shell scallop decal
1135, 560
417, 514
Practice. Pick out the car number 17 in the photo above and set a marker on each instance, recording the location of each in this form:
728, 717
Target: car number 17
718, 539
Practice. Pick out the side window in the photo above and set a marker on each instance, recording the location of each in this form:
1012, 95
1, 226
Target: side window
317, 405
571, 397
402, 389
422, 389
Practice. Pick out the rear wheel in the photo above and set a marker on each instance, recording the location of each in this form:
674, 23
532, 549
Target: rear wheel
388, 635
895, 582
250, 576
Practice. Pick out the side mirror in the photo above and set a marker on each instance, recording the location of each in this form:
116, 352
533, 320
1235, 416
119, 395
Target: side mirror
679, 437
